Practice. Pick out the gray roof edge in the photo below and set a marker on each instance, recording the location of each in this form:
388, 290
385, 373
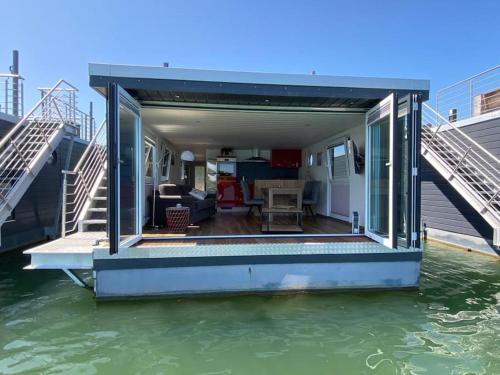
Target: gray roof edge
158, 72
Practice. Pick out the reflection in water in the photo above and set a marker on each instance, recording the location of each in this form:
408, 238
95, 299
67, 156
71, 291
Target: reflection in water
448, 326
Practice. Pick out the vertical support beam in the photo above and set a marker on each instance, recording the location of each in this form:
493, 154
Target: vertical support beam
15, 82
471, 94
63, 206
91, 124
395, 164
63, 198
113, 110
417, 125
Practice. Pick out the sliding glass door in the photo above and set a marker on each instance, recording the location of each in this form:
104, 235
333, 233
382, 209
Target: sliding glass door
392, 165
125, 161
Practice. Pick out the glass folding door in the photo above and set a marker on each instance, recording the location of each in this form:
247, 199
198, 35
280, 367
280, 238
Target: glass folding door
379, 141
392, 163
124, 168
406, 176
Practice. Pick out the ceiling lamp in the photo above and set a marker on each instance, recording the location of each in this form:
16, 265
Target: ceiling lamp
187, 156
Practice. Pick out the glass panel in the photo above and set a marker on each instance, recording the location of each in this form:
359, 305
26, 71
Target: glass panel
379, 177
338, 161
401, 174
149, 154
129, 144
165, 169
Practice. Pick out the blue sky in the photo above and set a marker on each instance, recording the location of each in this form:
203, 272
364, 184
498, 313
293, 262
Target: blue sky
443, 41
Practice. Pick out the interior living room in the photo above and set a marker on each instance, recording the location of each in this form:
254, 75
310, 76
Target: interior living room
260, 156
249, 171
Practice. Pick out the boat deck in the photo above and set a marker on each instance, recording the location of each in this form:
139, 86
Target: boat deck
72, 252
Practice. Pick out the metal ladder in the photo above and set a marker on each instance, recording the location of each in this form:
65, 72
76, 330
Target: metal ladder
31, 142
84, 188
471, 169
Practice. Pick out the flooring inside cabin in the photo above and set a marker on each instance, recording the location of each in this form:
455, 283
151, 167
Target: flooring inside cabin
239, 223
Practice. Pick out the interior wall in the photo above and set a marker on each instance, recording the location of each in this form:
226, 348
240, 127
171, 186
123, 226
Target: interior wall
320, 173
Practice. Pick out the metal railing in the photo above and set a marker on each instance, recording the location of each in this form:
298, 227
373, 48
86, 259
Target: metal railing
465, 159
22, 147
12, 94
80, 185
473, 96
83, 122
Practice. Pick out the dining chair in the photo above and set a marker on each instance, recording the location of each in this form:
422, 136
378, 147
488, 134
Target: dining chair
311, 196
248, 200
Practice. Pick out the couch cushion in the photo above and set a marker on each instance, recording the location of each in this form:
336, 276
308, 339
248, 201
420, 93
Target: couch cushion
204, 204
198, 194
169, 189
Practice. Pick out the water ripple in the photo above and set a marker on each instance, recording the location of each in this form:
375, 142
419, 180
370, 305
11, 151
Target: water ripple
450, 326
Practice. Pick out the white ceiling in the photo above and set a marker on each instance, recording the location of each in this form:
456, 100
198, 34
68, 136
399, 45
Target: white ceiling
198, 129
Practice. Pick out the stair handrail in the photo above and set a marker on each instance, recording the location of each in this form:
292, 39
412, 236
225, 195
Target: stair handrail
89, 147
29, 115
450, 125
20, 148
459, 146
488, 171
85, 178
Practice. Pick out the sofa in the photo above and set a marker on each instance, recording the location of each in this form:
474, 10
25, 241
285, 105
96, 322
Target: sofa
169, 195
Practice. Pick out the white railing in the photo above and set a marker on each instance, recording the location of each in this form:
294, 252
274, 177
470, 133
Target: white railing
83, 122
80, 184
11, 94
478, 168
470, 97
21, 147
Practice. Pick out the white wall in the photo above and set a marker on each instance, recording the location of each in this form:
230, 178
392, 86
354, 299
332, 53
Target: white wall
356, 181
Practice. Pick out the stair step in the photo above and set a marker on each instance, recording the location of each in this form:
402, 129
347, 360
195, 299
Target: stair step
100, 198
98, 209
94, 221
102, 188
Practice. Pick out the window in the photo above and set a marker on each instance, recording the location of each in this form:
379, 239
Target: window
337, 161
310, 160
149, 159
165, 163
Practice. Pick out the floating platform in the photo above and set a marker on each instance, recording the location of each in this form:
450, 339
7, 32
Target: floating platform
181, 267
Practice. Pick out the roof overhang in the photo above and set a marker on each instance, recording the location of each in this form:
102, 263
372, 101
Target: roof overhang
159, 85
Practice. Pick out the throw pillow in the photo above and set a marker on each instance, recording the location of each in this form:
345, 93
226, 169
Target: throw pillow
198, 194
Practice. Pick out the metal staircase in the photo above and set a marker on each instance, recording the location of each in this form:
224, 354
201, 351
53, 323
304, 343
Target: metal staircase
471, 169
31, 142
84, 189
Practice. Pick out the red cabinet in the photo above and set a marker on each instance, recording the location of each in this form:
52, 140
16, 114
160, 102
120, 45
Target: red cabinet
286, 158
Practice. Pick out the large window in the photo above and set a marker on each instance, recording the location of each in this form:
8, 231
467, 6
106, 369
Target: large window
165, 163
149, 161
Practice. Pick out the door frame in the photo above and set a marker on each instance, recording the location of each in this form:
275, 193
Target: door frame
391, 102
118, 97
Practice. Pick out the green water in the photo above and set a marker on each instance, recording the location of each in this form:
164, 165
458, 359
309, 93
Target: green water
450, 326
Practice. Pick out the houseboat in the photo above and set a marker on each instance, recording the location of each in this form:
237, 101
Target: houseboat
209, 182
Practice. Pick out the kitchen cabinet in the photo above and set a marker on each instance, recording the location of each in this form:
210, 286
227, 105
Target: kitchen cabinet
286, 158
